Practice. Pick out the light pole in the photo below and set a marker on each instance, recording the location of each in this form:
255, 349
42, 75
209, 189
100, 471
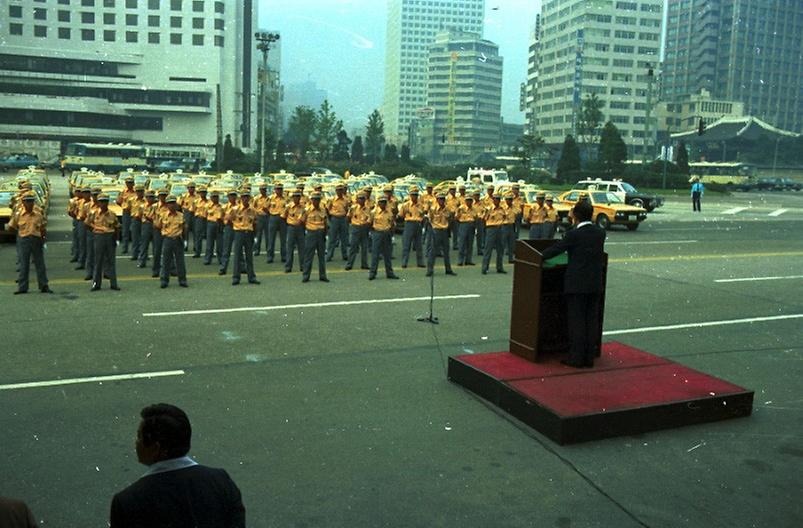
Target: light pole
264, 40
648, 114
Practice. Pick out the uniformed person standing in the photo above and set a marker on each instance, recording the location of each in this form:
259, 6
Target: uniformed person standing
294, 217
105, 230
161, 209
466, 220
494, 240
479, 213
123, 200
244, 221
146, 234
382, 222
550, 218
186, 203
276, 224
393, 207
214, 229
90, 235
536, 217
509, 228
31, 228
359, 217
199, 222
452, 204
228, 231
487, 202
519, 201
439, 217
171, 226
412, 212
82, 209
338, 208
315, 238
261, 206
72, 211
136, 206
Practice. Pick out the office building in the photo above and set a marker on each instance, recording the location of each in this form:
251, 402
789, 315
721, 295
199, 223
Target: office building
527, 97
411, 29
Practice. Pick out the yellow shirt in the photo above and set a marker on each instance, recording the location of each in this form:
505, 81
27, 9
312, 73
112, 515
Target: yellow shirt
393, 204
244, 218
429, 199
551, 214
466, 214
260, 203
537, 214
277, 204
200, 207
359, 215
214, 211
29, 224
510, 213
315, 219
495, 217
137, 208
452, 203
104, 223
519, 202
170, 224
338, 207
479, 211
73, 205
92, 210
382, 220
294, 214
188, 202
149, 212
487, 201
439, 217
412, 212
161, 210
228, 209
83, 210
124, 198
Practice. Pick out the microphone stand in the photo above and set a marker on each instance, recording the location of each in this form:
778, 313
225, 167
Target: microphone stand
430, 317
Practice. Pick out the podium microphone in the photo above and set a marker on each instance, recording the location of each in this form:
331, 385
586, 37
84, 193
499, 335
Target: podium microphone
430, 317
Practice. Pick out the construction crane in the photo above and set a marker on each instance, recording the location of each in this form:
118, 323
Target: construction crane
450, 114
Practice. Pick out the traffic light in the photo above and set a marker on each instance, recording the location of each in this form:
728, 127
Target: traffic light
701, 127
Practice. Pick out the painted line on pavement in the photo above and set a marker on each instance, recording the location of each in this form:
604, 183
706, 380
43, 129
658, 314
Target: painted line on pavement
309, 305
122, 256
753, 279
734, 210
93, 379
708, 257
702, 324
778, 212
651, 242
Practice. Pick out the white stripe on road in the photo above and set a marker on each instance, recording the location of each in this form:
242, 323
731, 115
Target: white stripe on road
778, 212
752, 279
129, 256
309, 305
702, 324
735, 210
651, 242
93, 379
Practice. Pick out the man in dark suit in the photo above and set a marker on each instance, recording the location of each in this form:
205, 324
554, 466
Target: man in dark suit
176, 492
582, 284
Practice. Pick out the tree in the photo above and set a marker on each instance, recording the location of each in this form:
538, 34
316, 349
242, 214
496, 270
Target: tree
405, 154
300, 129
683, 158
391, 154
327, 127
280, 148
612, 150
341, 150
374, 137
569, 162
270, 144
589, 120
357, 154
529, 146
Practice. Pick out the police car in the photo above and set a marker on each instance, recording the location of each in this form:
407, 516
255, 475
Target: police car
623, 190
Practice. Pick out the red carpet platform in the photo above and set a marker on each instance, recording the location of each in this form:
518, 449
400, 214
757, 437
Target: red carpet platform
627, 392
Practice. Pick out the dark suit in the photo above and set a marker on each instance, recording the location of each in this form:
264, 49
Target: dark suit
192, 497
15, 514
582, 287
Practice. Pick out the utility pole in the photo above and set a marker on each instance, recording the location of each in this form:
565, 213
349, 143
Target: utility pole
219, 120
648, 114
264, 40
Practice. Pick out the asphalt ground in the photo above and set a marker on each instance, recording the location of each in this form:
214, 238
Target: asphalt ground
341, 415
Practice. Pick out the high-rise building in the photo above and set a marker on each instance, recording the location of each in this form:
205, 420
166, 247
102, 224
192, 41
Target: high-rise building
530, 87
464, 91
143, 71
738, 50
411, 28
603, 47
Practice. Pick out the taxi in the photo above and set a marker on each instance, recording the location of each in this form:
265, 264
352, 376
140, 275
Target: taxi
7, 193
609, 209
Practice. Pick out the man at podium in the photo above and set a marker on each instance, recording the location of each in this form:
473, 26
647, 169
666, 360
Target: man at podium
582, 283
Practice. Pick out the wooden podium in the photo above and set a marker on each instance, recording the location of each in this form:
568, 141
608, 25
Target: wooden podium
538, 316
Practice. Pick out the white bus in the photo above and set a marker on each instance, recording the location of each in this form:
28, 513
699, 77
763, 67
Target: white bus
731, 173
106, 157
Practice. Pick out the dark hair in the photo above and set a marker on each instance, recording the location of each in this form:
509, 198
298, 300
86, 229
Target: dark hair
583, 211
168, 425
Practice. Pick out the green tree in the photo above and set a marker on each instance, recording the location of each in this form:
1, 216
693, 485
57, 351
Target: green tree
612, 150
341, 150
529, 145
300, 129
569, 162
357, 151
374, 137
589, 120
683, 158
391, 153
327, 126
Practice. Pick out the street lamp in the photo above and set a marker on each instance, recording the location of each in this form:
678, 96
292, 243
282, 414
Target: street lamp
264, 40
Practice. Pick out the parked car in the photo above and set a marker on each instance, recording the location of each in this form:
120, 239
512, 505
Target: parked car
609, 210
626, 192
791, 185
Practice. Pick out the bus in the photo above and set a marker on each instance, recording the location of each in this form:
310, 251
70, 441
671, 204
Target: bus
106, 157
728, 173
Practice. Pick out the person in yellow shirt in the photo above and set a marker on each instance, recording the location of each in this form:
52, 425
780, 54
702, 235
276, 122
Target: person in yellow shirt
466, 218
186, 203
171, 226
519, 201
136, 206
244, 220
72, 211
369, 201
479, 224
494, 240
276, 223
82, 198
412, 212
359, 217
382, 222
294, 217
124, 200
338, 209
261, 206
550, 218
536, 217
31, 228
487, 202
304, 200
228, 231
92, 209
452, 203
146, 234
161, 210
214, 228
509, 228
429, 196
315, 238
105, 231
199, 221
439, 218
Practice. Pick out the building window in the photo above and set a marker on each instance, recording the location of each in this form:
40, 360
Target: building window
64, 16
175, 22
131, 20
175, 5
131, 4
197, 23
64, 2
131, 36
198, 6
219, 7
64, 33
108, 18
175, 38
219, 41
219, 24
88, 3
15, 29
153, 20
153, 4
109, 35
39, 13
87, 17
197, 40
87, 34
108, 3
15, 11
40, 31
153, 38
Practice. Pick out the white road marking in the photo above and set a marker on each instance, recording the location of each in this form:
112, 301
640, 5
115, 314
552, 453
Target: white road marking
778, 212
702, 324
752, 279
309, 305
636, 242
93, 379
129, 256
734, 210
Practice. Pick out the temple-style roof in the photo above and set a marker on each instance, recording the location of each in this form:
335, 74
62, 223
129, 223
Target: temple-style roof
727, 128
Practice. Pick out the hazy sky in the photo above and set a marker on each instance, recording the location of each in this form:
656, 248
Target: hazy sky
340, 44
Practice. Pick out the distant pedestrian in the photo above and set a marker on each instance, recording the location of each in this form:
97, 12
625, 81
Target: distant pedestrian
31, 228
176, 491
697, 191
15, 514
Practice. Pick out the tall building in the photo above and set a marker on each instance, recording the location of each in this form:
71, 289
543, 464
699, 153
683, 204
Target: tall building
608, 48
738, 50
464, 91
144, 71
531, 86
412, 26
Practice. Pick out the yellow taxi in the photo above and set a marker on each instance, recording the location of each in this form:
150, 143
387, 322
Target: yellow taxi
7, 193
609, 209
114, 191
